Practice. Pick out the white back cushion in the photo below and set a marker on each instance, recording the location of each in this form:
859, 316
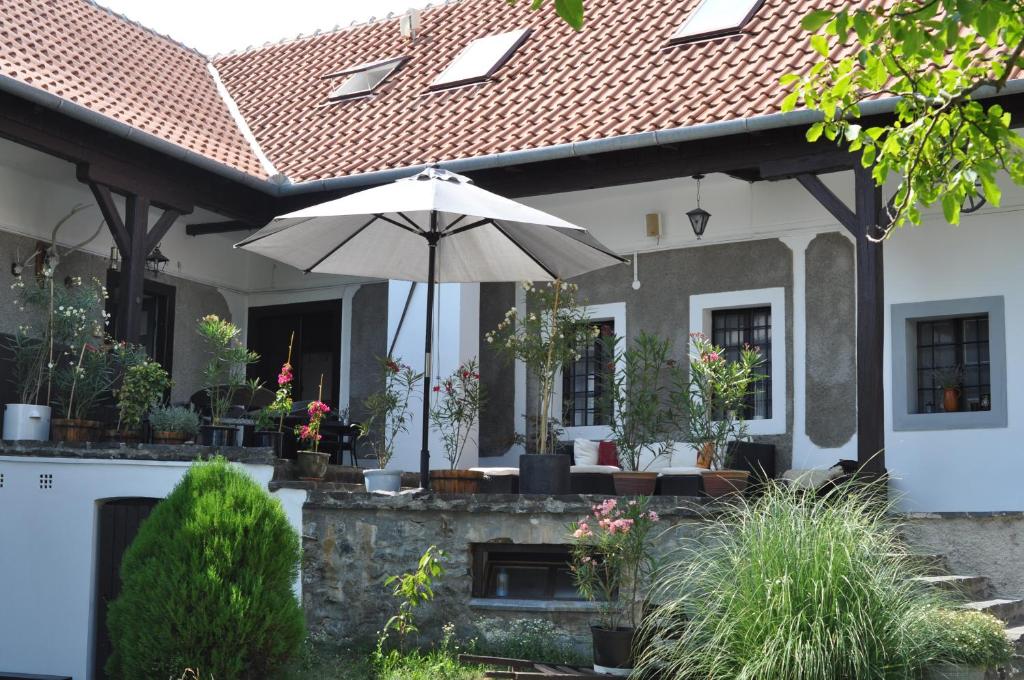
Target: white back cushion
684, 455
584, 451
679, 454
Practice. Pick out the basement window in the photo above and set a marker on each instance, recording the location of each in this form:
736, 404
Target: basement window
714, 18
363, 79
480, 59
510, 571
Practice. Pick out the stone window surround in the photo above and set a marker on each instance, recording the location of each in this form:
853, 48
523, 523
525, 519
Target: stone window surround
701, 307
904, 342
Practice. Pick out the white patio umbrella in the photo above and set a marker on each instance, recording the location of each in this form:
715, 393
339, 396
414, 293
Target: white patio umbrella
434, 227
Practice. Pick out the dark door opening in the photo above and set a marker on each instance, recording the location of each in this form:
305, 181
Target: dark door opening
156, 332
316, 352
118, 523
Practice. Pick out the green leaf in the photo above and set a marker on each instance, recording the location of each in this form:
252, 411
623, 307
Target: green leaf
790, 100
571, 11
814, 132
820, 44
951, 208
992, 193
816, 19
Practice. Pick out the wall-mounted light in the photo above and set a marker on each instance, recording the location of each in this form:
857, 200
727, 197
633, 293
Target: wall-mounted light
698, 216
114, 262
157, 261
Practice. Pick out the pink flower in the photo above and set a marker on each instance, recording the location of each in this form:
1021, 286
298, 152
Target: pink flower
286, 375
621, 525
582, 531
605, 507
653, 516
318, 408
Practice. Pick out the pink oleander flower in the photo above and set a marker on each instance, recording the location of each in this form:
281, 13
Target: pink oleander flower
605, 508
582, 531
622, 525
652, 515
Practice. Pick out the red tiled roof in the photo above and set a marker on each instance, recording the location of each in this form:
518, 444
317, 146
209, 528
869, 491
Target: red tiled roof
618, 76
88, 55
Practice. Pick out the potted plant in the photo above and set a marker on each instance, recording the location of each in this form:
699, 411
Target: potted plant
312, 462
712, 396
551, 334
455, 415
270, 419
610, 558
223, 375
173, 424
640, 408
143, 385
949, 380
964, 644
387, 418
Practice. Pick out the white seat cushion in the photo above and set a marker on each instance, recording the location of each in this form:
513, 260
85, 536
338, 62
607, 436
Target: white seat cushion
606, 469
584, 451
497, 471
812, 478
683, 470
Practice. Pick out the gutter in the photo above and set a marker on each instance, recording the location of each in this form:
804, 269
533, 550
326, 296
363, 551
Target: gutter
509, 158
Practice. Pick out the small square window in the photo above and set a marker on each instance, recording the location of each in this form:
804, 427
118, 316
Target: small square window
712, 18
955, 348
363, 79
480, 59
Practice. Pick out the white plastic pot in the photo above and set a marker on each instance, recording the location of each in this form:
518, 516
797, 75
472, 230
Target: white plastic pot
26, 422
382, 480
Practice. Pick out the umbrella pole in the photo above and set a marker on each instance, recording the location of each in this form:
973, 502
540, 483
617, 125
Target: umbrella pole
432, 239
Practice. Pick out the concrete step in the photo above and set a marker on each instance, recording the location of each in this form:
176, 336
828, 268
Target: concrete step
931, 564
971, 588
1007, 610
1016, 637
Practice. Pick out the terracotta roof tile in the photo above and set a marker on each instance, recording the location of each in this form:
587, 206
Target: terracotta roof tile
93, 57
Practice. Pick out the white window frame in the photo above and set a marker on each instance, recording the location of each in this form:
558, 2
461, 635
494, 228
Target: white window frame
616, 313
701, 307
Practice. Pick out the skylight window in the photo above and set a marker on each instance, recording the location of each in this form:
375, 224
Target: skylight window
480, 59
363, 79
716, 17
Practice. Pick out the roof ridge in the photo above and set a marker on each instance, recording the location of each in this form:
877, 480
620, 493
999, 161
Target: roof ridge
338, 28
152, 31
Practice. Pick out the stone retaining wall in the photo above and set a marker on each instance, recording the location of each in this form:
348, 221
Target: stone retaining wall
354, 541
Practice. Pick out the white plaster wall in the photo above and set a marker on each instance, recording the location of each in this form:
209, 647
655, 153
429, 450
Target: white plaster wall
47, 552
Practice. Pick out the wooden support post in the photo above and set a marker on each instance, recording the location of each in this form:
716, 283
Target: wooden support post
863, 224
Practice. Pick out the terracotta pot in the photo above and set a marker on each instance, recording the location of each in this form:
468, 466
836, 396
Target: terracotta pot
635, 483
170, 437
719, 483
312, 464
74, 430
951, 400
613, 651
706, 455
455, 481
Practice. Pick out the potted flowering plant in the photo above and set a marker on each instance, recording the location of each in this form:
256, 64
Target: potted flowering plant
270, 419
610, 558
455, 415
143, 385
387, 418
552, 334
313, 463
223, 375
712, 396
640, 407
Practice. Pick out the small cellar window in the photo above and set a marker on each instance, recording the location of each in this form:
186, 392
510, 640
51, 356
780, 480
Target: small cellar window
509, 571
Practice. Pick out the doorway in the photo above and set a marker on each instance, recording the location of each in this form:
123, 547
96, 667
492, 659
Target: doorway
156, 332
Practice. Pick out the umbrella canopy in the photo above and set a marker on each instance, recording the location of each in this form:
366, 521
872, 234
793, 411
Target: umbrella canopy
481, 236
435, 227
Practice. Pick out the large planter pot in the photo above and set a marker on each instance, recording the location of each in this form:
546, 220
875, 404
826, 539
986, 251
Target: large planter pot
455, 481
544, 474
123, 436
170, 438
26, 422
312, 464
382, 480
613, 651
719, 483
75, 430
949, 671
635, 483
270, 438
217, 435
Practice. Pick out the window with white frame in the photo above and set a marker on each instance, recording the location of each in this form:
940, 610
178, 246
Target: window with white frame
584, 401
756, 317
949, 364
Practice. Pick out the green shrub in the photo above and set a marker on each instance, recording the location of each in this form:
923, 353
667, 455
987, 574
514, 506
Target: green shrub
790, 586
966, 637
183, 419
537, 639
207, 583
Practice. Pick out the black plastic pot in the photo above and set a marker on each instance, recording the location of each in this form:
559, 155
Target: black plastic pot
271, 438
679, 485
613, 649
217, 435
544, 474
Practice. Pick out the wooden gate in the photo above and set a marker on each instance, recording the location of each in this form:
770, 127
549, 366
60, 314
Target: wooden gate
119, 521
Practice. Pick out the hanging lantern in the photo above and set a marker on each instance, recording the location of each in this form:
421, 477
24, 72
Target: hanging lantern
114, 262
157, 261
698, 216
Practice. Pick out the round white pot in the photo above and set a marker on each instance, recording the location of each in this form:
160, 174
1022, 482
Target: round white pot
25, 422
382, 480
949, 671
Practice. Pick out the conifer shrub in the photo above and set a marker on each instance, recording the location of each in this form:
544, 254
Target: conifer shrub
207, 583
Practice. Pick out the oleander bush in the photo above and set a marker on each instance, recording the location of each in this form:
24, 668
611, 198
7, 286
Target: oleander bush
207, 584
796, 587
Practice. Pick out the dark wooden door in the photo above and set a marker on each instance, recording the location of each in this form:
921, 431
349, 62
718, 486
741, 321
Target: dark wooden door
119, 522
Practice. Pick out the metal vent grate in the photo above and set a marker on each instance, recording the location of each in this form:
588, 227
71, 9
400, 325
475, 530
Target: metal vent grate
46, 481
1, 480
